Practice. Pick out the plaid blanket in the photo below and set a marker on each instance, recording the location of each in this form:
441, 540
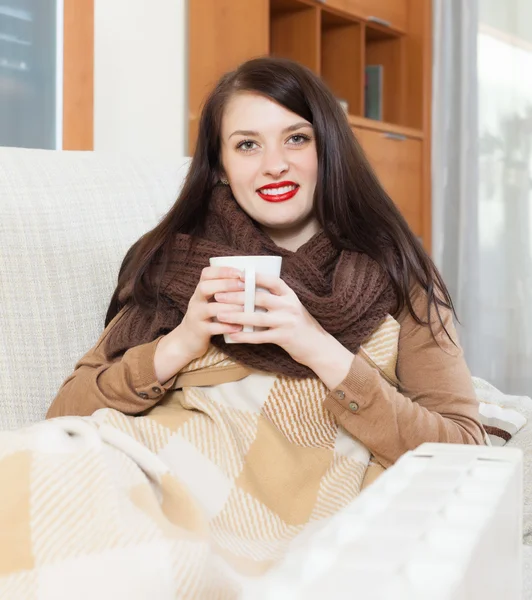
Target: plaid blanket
198, 498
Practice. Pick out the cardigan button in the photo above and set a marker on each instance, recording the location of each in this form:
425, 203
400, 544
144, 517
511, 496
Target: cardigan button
353, 406
142, 395
340, 394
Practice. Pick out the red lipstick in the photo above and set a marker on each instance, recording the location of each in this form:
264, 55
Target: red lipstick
278, 197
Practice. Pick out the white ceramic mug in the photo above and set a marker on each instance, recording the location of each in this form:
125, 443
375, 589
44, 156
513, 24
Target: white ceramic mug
250, 266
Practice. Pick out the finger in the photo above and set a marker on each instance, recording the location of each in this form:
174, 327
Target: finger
273, 284
256, 319
209, 287
230, 297
214, 308
270, 301
215, 328
256, 337
220, 273
262, 299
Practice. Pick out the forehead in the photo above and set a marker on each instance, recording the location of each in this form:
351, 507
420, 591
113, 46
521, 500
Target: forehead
246, 110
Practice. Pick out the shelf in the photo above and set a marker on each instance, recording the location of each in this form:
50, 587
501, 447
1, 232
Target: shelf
392, 12
379, 33
278, 7
342, 49
363, 123
294, 31
384, 47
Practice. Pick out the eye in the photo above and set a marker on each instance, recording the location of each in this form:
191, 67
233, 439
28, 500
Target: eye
299, 138
246, 146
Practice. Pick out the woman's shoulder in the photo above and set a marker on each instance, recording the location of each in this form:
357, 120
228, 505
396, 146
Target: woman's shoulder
434, 318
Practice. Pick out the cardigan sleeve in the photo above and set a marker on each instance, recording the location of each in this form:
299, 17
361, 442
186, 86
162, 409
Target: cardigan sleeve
435, 400
127, 383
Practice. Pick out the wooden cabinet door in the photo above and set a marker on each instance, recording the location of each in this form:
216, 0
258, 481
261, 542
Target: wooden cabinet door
398, 164
222, 34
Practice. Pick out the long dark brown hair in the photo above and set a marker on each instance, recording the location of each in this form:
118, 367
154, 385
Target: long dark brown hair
350, 204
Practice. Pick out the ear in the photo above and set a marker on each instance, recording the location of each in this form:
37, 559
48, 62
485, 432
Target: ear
223, 177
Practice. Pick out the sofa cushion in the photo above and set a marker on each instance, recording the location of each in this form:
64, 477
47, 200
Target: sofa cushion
66, 221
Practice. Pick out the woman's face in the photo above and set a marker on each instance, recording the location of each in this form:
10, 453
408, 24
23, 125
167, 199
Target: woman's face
269, 158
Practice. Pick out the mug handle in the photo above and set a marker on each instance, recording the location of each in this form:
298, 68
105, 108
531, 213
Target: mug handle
249, 295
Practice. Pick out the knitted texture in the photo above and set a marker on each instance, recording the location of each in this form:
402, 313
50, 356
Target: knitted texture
347, 292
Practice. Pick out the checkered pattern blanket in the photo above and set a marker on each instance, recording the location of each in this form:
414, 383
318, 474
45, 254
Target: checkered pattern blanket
198, 498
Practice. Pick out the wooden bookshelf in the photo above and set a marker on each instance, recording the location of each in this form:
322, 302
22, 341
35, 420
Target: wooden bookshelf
342, 48
294, 31
337, 39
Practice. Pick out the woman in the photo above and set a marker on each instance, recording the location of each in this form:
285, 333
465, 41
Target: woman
203, 461
273, 123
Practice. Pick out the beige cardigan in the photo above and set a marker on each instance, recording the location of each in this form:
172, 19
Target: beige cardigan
435, 400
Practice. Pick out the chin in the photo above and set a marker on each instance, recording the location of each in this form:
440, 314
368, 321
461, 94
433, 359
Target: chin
284, 225
282, 215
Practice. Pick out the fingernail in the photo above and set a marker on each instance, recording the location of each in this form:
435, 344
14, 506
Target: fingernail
241, 285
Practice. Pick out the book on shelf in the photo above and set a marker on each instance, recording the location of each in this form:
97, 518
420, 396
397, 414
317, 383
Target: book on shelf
373, 92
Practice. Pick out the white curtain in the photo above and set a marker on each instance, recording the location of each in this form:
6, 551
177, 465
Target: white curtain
482, 164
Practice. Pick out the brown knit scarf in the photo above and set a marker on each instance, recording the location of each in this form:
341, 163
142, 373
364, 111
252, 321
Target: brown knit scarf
345, 291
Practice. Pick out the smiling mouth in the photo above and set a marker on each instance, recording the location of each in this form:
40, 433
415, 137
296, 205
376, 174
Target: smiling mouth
278, 194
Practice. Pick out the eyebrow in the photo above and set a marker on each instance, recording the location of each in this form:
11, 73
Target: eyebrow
286, 130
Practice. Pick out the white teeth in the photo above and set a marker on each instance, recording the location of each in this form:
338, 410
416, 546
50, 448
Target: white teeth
278, 191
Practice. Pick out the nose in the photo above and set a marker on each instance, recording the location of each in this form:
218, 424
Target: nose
274, 163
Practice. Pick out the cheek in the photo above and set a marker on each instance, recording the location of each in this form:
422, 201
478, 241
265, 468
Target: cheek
311, 169
309, 164
313, 166
242, 173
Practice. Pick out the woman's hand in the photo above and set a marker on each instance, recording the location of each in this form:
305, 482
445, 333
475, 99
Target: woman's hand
191, 338
290, 326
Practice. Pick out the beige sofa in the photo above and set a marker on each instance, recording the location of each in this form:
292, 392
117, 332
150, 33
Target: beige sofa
66, 220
